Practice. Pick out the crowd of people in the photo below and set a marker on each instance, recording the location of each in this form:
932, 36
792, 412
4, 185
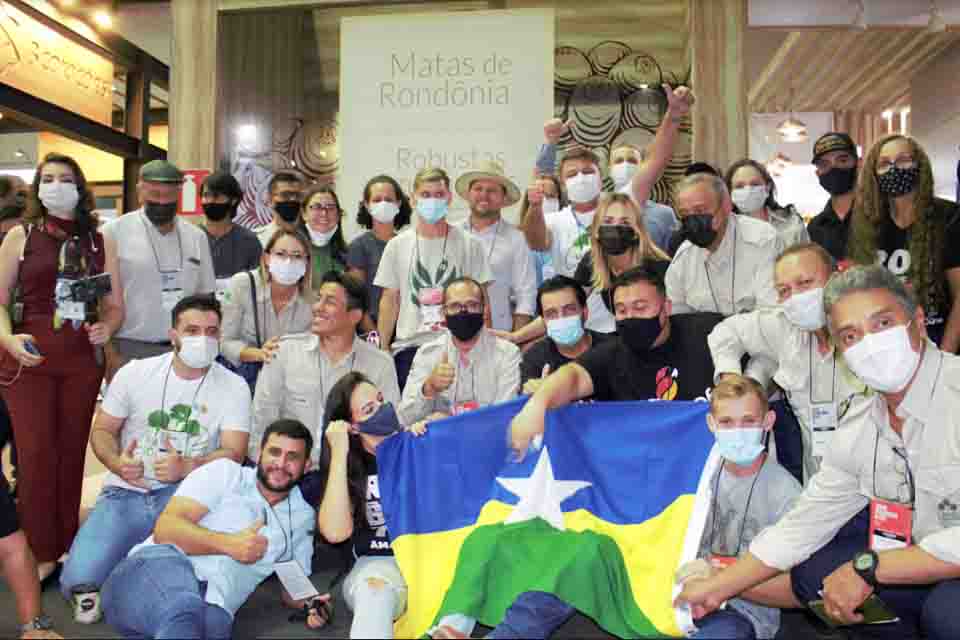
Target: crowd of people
251, 375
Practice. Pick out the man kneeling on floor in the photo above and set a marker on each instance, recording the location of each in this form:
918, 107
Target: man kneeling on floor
220, 536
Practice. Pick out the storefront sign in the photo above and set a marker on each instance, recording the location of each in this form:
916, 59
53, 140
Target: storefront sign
36, 59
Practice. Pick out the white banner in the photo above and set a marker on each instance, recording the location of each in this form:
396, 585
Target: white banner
447, 90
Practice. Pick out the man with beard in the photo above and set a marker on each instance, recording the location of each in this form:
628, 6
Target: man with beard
835, 157
513, 292
162, 418
222, 534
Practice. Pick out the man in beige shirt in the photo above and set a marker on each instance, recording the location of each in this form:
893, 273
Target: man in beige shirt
901, 459
295, 384
464, 368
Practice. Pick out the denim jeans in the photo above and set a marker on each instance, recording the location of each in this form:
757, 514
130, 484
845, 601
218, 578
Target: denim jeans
931, 607
534, 614
120, 520
728, 624
155, 594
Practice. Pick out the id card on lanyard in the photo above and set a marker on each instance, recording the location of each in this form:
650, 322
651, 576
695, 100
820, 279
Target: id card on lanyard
171, 290
823, 408
891, 525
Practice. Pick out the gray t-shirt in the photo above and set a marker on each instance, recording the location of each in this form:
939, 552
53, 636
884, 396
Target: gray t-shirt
156, 270
238, 250
420, 268
729, 531
364, 254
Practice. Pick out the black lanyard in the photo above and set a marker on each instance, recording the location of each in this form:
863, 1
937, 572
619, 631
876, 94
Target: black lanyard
156, 256
496, 234
746, 511
163, 396
733, 279
287, 539
441, 268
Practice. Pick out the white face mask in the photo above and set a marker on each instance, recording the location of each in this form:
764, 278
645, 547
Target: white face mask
286, 271
885, 360
805, 310
551, 205
322, 238
198, 352
583, 187
623, 172
749, 199
384, 211
59, 198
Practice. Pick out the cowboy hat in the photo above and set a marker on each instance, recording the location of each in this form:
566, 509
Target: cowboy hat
489, 170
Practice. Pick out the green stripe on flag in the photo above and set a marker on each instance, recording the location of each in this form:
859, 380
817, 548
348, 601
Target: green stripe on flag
498, 562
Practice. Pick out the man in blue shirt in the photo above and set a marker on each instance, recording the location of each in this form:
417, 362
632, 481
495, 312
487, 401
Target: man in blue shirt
219, 537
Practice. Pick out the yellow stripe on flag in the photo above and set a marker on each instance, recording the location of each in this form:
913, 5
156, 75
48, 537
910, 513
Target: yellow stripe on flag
651, 551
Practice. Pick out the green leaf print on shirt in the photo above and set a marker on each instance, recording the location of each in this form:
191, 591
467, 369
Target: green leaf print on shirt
420, 279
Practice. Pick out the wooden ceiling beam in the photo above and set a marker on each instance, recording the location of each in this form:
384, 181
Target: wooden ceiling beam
794, 42
884, 93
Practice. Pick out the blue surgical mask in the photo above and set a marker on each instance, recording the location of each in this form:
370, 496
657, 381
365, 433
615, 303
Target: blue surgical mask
383, 422
740, 445
432, 210
567, 331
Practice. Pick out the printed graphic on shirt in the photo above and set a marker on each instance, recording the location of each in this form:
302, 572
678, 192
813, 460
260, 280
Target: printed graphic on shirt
375, 518
898, 262
422, 281
178, 426
580, 248
667, 386
728, 535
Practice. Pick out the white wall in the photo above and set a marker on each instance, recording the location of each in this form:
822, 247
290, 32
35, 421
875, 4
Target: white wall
935, 117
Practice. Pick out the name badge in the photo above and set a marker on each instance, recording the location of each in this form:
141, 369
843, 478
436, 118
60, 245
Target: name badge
823, 424
464, 407
223, 290
891, 525
295, 580
431, 310
170, 290
66, 307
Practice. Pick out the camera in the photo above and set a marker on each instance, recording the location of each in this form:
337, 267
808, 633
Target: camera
89, 290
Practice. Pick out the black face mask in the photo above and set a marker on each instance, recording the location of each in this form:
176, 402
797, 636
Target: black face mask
288, 211
160, 213
639, 333
383, 422
698, 229
839, 181
617, 239
898, 182
465, 326
216, 211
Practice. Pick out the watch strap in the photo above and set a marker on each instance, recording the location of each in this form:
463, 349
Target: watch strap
869, 575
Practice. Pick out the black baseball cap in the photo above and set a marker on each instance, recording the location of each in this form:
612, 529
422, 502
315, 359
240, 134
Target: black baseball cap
833, 141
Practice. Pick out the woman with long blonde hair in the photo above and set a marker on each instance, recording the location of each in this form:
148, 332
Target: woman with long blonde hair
897, 222
618, 242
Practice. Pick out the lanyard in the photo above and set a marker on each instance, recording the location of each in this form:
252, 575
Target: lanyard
442, 267
493, 245
733, 280
156, 256
287, 539
813, 378
746, 511
166, 378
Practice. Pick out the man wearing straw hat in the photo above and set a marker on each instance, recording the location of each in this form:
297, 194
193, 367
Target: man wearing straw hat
513, 293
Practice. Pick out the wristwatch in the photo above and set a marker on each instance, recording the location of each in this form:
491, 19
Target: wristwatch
865, 564
40, 623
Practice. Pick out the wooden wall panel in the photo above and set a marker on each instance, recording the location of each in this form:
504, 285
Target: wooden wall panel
193, 85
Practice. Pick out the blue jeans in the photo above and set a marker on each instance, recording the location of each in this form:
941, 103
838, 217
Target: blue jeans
728, 624
120, 520
155, 594
930, 607
534, 614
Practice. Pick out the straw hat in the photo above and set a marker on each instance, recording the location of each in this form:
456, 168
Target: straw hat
489, 170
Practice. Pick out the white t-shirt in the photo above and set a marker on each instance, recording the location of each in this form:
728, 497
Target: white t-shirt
569, 240
156, 404
420, 268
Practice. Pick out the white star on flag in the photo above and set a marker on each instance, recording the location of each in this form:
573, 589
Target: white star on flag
541, 494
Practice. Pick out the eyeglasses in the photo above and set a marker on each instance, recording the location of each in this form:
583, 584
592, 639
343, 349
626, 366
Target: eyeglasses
326, 208
283, 255
906, 489
454, 308
902, 162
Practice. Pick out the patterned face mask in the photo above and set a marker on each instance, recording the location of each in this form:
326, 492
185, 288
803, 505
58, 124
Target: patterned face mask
898, 182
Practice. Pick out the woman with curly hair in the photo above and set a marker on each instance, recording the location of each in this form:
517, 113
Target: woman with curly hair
897, 222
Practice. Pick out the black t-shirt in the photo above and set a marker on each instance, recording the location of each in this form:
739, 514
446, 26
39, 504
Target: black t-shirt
8, 510
893, 252
584, 275
545, 352
830, 232
679, 369
372, 540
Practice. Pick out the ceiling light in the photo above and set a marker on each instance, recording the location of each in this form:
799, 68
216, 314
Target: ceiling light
103, 19
20, 153
860, 18
936, 24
